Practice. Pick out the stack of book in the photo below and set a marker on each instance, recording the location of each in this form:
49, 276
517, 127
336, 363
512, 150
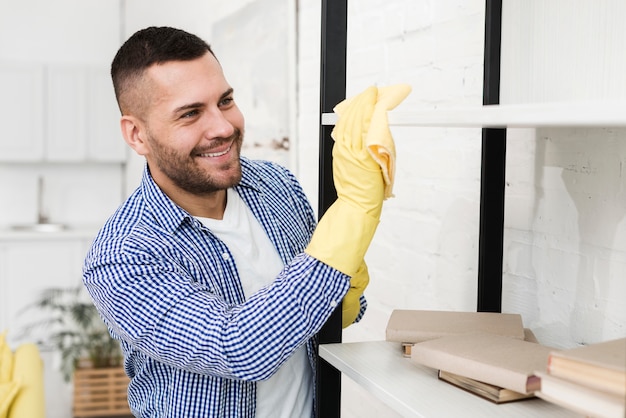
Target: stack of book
590, 379
488, 354
493, 356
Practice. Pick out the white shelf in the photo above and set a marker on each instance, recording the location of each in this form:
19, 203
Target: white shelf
569, 114
415, 391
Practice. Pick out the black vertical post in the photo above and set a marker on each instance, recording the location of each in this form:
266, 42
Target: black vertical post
332, 91
492, 173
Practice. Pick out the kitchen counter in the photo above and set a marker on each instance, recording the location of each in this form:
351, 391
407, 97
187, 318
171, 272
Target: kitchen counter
70, 233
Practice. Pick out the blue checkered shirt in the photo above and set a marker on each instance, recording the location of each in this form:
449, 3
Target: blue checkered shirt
169, 291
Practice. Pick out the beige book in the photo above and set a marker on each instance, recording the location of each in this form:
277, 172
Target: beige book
495, 359
494, 393
581, 398
413, 326
601, 366
529, 335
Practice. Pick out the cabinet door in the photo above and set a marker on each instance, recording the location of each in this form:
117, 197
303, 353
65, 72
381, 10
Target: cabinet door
82, 115
105, 143
21, 113
66, 134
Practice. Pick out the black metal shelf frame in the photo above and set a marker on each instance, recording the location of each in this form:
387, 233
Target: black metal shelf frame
493, 160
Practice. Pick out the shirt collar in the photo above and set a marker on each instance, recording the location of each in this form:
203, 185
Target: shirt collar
167, 213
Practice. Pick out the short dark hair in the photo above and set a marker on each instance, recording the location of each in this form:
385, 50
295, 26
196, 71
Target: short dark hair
152, 45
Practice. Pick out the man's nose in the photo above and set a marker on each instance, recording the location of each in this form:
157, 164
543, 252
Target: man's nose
218, 125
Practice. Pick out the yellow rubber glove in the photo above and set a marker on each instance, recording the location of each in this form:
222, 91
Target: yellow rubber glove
345, 231
358, 178
351, 305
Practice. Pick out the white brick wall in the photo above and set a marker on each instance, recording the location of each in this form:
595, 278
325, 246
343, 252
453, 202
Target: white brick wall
437, 48
424, 255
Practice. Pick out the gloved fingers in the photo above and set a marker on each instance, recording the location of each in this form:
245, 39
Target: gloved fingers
350, 308
361, 278
364, 152
351, 305
355, 115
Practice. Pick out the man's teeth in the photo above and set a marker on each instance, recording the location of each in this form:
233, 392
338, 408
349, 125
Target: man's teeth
216, 154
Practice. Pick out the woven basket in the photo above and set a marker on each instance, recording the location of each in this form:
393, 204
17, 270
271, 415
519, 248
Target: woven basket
100, 392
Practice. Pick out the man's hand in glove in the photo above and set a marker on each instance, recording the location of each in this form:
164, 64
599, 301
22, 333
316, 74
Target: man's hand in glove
345, 231
358, 178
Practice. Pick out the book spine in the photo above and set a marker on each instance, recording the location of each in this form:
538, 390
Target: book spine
608, 380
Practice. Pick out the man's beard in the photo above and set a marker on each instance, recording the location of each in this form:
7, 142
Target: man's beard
186, 174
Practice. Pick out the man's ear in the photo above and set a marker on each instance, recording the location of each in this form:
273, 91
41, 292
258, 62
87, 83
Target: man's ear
134, 134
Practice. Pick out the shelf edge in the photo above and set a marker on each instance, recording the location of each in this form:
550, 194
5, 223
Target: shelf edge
568, 114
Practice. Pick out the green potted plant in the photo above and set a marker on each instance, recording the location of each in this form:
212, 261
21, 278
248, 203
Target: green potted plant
72, 325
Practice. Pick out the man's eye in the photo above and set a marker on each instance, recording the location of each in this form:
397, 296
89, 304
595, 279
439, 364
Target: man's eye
227, 101
189, 114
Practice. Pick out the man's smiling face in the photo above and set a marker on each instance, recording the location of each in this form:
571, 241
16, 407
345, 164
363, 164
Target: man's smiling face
192, 129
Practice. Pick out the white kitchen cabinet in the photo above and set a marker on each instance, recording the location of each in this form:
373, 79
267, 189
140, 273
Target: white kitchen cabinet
56, 98
21, 112
106, 143
59, 114
82, 116
66, 114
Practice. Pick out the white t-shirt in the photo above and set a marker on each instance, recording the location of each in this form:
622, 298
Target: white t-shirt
288, 393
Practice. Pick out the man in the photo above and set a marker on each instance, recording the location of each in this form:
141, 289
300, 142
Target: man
212, 275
